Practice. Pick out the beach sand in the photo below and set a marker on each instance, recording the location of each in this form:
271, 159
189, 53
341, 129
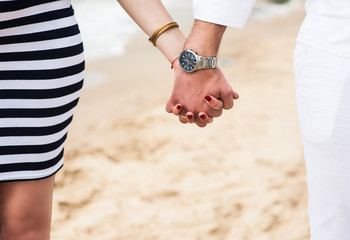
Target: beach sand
133, 172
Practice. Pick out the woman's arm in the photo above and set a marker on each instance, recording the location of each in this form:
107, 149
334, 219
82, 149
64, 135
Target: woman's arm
150, 15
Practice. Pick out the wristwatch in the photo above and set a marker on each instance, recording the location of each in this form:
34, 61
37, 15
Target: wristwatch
190, 61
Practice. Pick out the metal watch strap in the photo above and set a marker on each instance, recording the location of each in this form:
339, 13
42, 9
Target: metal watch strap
206, 62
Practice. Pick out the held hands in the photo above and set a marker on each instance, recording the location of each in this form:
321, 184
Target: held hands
200, 96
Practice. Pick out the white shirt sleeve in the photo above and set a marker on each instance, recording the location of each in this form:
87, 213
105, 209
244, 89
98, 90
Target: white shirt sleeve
232, 13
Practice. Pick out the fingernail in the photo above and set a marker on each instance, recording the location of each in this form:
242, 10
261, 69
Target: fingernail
189, 116
208, 98
202, 116
178, 106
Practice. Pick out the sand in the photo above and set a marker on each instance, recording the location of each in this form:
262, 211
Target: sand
133, 172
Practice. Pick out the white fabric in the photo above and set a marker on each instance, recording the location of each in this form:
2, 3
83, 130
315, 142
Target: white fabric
322, 68
322, 90
224, 12
327, 26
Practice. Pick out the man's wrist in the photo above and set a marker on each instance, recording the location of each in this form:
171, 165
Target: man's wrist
201, 49
205, 38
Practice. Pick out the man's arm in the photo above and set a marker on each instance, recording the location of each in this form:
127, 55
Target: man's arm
205, 38
212, 17
191, 89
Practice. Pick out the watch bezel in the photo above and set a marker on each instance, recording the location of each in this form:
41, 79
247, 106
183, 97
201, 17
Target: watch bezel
195, 56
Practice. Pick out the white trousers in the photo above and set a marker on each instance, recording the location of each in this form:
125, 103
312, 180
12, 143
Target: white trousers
323, 100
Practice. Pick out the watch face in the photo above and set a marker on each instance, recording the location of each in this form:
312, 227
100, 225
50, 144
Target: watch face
188, 61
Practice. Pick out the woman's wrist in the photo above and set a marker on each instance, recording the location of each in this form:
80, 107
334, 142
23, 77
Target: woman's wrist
171, 43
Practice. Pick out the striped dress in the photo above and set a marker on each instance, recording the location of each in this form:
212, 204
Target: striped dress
41, 75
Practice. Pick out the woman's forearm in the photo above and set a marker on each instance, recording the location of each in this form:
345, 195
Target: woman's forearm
150, 15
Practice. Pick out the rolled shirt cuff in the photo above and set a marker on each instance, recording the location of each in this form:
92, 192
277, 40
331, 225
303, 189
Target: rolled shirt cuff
232, 13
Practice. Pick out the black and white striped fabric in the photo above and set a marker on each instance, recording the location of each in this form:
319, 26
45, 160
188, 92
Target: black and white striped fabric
41, 75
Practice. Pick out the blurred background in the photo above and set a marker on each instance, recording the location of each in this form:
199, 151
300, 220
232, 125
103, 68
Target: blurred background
133, 172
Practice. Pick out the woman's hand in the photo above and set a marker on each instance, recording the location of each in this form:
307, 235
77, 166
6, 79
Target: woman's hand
200, 96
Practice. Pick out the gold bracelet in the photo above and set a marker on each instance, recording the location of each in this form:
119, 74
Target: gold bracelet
160, 31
